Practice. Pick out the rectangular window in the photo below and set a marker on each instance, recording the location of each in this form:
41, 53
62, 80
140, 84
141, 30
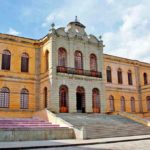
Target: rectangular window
119, 77
129, 79
6, 62
109, 79
24, 64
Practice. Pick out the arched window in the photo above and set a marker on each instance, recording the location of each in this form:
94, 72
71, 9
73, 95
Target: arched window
4, 97
24, 98
145, 79
111, 104
63, 98
96, 100
93, 62
62, 57
47, 60
119, 73
6, 58
123, 107
24, 62
108, 73
129, 77
78, 60
132, 104
148, 103
45, 97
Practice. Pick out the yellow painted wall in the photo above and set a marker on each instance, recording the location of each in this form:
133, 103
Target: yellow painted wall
128, 91
117, 96
15, 80
145, 89
45, 82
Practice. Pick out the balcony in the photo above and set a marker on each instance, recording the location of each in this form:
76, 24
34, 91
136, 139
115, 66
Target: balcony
74, 71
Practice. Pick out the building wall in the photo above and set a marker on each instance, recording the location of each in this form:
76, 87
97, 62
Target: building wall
45, 73
145, 89
138, 90
71, 43
14, 79
72, 82
39, 77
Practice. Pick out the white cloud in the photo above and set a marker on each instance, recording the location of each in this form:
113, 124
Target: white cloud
86, 10
13, 32
110, 1
52, 17
132, 38
124, 26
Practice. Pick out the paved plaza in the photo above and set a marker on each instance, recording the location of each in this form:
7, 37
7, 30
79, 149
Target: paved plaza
132, 145
141, 142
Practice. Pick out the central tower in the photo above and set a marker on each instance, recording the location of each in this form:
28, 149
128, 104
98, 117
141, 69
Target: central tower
76, 70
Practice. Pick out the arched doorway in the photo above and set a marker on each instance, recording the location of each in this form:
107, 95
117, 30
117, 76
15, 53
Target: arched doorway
63, 99
80, 96
96, 100
78, 60
93, 62
62, 57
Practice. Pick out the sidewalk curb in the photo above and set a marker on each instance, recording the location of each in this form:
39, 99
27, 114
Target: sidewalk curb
76, 144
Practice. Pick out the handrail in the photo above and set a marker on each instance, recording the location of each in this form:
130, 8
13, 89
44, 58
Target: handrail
75, 71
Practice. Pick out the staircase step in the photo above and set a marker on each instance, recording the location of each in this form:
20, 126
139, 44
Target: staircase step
102, 125
33, 127
18, 123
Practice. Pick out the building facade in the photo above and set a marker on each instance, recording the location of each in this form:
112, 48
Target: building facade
67, 71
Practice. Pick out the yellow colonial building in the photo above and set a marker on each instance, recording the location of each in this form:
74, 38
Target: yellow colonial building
67, 71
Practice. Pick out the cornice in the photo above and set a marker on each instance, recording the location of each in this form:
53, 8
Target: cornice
125, 60
23, 40
80, 39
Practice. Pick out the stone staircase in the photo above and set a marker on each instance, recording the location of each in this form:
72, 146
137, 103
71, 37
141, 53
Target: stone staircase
19, 129
29, 123
105, 126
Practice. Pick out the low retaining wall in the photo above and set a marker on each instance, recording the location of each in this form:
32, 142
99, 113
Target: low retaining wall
135, 118
146, 114
16, 114
36, 134
51, 117
143, 115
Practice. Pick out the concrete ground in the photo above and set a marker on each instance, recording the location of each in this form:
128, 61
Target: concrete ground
117, 143
132, 145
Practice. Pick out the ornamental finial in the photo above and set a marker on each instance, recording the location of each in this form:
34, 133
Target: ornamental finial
53, 25
100, 37
52, 29
76, 19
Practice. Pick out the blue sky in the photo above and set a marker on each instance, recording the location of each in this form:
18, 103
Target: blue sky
123, 24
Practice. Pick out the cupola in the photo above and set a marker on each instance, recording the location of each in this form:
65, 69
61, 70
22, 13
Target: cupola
76, 26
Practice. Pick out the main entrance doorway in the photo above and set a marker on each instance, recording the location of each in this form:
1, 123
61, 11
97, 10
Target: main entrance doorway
80, 98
